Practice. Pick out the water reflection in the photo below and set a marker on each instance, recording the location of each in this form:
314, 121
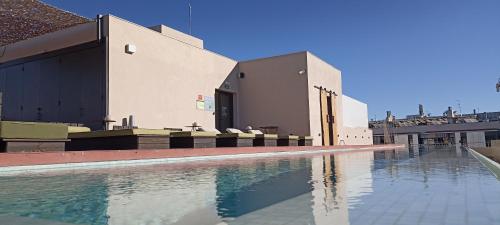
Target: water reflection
341, 188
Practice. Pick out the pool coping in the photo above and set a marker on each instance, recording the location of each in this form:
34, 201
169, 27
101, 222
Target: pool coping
12, 163
492, 166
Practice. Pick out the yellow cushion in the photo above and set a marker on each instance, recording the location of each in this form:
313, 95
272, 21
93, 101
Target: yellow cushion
116, 133
73, 129
237, 135
193, 134
32, 130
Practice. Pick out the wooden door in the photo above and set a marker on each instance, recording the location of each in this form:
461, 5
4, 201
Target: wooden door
333, 120
325, 131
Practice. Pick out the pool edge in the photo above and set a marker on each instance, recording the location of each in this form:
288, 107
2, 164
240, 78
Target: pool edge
16, 169
491, 165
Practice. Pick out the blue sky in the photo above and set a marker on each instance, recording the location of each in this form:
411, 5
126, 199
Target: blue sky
393, 54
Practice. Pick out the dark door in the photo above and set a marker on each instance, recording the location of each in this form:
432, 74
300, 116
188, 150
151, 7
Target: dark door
223, 110
330, 120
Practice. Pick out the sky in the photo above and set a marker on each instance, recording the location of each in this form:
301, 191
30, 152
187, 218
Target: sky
393, 54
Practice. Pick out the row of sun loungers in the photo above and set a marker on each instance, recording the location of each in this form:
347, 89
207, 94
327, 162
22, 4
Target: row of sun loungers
23, 136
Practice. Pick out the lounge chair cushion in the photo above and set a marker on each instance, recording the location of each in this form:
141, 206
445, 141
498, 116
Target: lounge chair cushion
290, 137
31, 130
209, 130
267, 136
74, 129
233, 131
116, 133
305, 138
255, 132
236, 135
193, 134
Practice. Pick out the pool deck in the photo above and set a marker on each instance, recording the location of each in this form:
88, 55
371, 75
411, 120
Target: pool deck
51, 158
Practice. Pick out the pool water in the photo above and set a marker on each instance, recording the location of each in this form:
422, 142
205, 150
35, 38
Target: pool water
406, 186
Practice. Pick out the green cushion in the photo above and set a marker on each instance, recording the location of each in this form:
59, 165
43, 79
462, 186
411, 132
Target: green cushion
193, 134
237, 135
116, 133
73, 129
32, 130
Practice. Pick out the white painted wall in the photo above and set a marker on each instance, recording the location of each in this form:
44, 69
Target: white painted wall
355, 112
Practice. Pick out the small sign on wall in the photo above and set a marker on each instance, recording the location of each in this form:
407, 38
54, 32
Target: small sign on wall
205, 103
209, 104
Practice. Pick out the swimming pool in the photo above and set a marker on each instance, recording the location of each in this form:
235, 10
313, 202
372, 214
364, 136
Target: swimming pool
406, 186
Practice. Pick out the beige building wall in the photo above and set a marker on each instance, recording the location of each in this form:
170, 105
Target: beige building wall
160, 82
273, 93
322, 74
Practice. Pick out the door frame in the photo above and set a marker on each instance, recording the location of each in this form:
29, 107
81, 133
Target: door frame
233, 106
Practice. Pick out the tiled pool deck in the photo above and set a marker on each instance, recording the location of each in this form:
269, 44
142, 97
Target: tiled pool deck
47, 158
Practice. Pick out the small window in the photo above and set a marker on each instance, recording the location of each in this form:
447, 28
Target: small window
242, 75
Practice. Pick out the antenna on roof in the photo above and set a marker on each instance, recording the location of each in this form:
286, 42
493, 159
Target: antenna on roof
190, 18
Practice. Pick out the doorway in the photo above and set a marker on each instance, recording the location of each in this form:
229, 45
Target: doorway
328, 128
223, 110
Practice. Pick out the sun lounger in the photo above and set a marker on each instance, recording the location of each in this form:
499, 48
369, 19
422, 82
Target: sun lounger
235, 138
119, 139
32, 137
288, 140
262, 139
193, 139
305, 141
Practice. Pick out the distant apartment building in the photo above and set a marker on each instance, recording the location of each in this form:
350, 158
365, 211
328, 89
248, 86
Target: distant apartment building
475, 129
97, 72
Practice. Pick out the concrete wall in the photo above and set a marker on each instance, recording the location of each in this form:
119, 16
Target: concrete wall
320, 73
355, 112
401, 139
272, 93
476, 139
159, 83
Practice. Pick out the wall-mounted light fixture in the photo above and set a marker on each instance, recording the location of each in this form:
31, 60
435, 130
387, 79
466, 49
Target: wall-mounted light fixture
302, 72
130, 48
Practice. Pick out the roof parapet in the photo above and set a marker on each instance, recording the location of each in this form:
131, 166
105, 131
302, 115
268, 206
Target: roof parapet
177, 35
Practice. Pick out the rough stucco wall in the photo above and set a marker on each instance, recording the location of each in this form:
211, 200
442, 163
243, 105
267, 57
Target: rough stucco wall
274, 94
320, 73
159, 83
355, 112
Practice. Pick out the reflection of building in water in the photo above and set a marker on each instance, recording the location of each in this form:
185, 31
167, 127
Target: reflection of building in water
339, 181
243, 189
157, 197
